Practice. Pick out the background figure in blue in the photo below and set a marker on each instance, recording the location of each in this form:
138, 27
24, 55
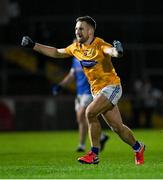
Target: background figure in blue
82, 100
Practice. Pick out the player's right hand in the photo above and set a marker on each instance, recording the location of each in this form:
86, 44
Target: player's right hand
56, 89
27, 42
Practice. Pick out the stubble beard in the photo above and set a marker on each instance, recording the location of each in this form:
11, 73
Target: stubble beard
82, 40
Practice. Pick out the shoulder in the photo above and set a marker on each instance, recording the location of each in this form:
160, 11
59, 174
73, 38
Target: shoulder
102, 42
69, 49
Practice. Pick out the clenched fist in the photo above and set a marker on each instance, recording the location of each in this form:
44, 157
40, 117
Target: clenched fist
27, 42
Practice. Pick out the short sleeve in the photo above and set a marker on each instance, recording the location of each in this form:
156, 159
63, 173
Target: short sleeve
68, 50
105, 45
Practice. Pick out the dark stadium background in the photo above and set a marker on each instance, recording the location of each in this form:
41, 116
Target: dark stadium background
26, 77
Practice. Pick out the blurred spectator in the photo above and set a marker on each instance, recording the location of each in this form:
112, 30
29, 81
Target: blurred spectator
150, 96
144, 102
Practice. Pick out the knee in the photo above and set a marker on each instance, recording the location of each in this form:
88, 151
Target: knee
81, 118
90, 115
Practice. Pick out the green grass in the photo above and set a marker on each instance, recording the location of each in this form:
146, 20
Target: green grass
46, 155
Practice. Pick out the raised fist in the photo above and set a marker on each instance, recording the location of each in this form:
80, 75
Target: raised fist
118, 46
27, 42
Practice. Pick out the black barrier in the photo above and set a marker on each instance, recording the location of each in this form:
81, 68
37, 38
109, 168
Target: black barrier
37, 113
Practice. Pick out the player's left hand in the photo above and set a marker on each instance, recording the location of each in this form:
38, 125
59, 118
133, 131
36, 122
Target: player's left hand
118, 47
56, 89
27, 42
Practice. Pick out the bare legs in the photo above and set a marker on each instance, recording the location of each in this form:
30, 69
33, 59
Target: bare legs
111, 115
114, 120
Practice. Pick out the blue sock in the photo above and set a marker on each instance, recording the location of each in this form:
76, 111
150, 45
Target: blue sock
136, 146
95, 150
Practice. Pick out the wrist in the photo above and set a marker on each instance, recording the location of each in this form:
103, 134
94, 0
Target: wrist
32, 45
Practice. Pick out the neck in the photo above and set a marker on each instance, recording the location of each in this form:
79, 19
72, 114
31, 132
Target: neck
90, 40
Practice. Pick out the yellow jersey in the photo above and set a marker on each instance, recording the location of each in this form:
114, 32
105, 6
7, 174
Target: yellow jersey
97, 66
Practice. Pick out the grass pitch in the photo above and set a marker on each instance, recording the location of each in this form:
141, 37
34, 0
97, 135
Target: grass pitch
52, 155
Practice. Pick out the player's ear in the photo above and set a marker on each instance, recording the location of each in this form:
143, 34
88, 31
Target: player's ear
91, 31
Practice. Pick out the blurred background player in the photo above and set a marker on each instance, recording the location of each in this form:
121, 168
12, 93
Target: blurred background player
144, 102
82, 100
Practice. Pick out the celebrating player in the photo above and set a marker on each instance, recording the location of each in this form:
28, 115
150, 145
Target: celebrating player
95, 55
82, 100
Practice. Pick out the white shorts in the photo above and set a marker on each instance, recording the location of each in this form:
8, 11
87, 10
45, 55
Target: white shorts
82, 101
112, 92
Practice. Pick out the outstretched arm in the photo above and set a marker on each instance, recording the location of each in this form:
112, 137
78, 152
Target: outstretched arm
50, 51
115, 51
43, 49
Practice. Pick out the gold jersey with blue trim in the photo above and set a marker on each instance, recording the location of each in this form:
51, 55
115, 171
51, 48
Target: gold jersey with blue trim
97, 66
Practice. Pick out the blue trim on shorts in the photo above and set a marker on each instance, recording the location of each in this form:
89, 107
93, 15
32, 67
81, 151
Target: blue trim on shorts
114, 93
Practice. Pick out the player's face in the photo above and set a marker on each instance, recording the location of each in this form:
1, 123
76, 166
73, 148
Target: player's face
82, 31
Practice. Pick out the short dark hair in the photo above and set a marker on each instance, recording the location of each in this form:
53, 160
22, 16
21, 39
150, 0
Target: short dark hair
88, 20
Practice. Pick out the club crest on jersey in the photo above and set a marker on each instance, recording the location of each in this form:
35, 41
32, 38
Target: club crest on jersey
89, 52
88, 63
